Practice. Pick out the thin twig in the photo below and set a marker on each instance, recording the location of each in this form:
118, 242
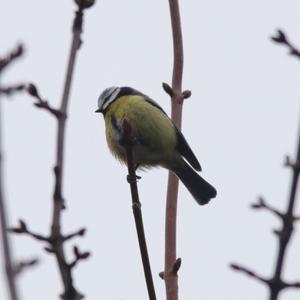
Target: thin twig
137, 212
43, 104
261, 204
273, 283
10, 90
281, 38
276, 284
9, 270
248, 272
7, 252
287, 228
56, 239
70, 292
288, 218
78, 256
170, 275
23, 229
6, 61
25, 264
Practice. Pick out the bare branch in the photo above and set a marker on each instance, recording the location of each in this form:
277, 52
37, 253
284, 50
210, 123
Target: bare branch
290, 164
85, 3
276, 284
287, 229
281, 38
10, 90
24, 265
17, 52
70, 292
175, 92
273, 284
23, 229
295, 285
248, 272
56, 239
261, 204
33, 91
136, 207
288, 218
78, 256
81, 232
5, 243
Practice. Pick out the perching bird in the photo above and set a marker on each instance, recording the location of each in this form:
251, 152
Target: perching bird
157, 141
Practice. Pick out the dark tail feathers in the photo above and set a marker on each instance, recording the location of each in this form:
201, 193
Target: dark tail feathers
201, 190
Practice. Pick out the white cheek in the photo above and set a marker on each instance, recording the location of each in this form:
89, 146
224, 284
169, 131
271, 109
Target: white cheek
111, 99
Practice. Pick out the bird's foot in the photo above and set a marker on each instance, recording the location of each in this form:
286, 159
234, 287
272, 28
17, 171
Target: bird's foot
133, 180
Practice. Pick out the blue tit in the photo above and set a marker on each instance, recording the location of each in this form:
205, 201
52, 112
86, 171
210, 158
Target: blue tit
157, 141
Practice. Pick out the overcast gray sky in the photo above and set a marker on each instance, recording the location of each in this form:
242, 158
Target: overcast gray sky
241, 120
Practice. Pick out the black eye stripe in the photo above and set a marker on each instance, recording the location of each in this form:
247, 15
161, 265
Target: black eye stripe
107, 95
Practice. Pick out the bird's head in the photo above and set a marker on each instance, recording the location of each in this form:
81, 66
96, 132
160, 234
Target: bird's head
107, 97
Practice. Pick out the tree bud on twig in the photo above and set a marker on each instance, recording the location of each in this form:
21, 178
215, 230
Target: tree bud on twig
186, 94
168, 89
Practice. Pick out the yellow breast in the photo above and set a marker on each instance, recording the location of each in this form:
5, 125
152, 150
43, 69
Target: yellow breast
153, 130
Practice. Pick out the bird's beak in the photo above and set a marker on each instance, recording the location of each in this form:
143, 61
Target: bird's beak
98, 110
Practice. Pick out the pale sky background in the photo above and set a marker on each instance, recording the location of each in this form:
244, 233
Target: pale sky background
241, 120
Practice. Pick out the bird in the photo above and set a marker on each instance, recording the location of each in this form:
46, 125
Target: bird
157, 141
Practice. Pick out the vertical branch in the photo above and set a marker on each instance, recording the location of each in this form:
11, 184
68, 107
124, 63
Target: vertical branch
170, 276
7, 253
137, 212
70, 292
287, 227
288, 218
56, 239
275, 283
9, 270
